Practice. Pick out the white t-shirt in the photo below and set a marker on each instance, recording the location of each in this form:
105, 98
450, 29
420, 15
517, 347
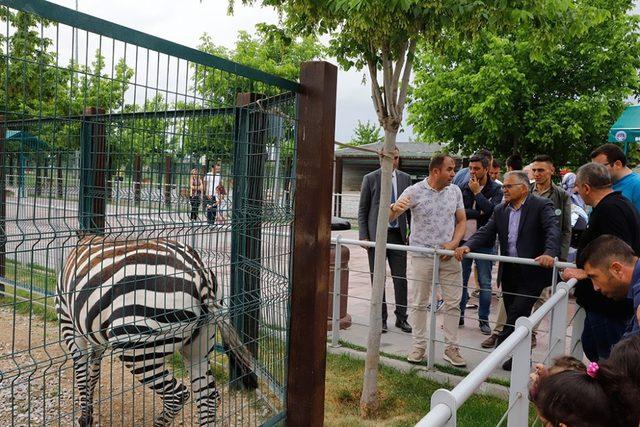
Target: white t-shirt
433, 213
211, 183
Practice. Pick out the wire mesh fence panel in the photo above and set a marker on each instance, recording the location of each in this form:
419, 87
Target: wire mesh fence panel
145, 227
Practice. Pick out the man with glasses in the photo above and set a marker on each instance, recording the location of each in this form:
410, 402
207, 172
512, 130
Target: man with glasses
527, 227
396, 234
625, 180
613, 214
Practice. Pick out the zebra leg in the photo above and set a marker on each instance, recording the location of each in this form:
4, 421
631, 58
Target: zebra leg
80, 353
203, 384
150, 370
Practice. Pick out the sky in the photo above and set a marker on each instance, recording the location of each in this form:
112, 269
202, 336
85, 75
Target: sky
186, 20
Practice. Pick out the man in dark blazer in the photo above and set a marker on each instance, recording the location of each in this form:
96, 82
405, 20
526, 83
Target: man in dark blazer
527, 227
397, 234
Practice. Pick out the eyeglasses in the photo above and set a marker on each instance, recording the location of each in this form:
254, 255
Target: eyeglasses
510, 186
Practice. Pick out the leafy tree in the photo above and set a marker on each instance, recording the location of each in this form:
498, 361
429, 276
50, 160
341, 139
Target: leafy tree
366, 133
382, 36
272, 50
503, 94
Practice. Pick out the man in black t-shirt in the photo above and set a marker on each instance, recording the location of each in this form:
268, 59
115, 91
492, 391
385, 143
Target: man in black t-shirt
606, 319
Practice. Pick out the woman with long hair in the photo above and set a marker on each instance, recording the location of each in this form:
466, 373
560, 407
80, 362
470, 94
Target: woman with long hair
195, 192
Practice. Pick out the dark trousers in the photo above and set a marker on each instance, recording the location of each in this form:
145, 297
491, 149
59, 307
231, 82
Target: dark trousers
398, 265
211, 208
527, 293
195, 206
600, 334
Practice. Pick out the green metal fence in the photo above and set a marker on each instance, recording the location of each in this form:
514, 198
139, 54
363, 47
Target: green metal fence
112, 142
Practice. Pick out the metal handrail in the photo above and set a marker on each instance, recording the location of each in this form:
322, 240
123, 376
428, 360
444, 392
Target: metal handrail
441, 413
445, 403
432, 251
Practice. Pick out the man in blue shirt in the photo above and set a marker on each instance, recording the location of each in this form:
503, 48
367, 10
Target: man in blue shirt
614, 270
625, 180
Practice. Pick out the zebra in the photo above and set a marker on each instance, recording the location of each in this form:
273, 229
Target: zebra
145, 300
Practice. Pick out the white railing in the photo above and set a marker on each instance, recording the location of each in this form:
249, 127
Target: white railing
445, 403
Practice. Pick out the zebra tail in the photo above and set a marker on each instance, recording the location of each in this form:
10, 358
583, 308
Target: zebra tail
239, 354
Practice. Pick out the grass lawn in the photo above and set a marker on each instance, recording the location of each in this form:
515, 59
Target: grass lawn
405, 398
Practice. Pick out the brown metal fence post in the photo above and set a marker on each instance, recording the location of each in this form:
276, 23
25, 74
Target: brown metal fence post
312, 235
137, 178
167, 181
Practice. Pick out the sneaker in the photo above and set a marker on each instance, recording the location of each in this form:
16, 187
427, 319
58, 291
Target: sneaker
485, 328
490, 342
440, 304
416, 355
471, 306
476, 293
452, 355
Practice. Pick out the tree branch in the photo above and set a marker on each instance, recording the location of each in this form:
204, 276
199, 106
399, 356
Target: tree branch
396, 74
387, 72
376, 92
406, 75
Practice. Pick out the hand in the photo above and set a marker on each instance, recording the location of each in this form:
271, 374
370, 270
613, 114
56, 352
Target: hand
545, 261
365, 247
539, 371
461, 251
573, 273
401, 205
450, 246
474, 185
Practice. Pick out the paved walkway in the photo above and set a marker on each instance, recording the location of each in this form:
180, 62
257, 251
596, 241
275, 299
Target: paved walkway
399, 343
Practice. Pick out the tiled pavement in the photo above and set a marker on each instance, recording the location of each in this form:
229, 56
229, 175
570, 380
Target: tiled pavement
398, 343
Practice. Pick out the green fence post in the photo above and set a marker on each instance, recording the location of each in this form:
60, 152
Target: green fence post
92, 200
3, 205
167, 181
246, 223
137, 178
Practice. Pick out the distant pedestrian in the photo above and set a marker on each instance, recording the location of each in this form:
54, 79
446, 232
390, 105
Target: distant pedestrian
195, 193
514, 163
495, 172
437, 221
397, 233
624, 179
211, 182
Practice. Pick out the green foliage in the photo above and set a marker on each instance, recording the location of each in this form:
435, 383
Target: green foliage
501, 93
366, 133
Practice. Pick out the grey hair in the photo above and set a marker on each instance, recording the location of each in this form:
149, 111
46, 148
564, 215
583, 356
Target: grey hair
594, 175
521, 176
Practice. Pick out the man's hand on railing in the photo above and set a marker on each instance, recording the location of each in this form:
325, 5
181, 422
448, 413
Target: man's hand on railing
460, 252
363, 246
545, 261
449, 246
573, 273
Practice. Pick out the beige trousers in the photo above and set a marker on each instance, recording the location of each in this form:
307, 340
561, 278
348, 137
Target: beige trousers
420, 282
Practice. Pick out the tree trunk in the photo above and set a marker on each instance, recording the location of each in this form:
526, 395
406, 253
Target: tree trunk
369, 400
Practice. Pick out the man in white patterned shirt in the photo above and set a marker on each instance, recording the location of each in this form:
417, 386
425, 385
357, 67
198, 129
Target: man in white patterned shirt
437, 221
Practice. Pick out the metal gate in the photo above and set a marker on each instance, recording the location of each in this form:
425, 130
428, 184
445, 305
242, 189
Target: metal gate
111, 138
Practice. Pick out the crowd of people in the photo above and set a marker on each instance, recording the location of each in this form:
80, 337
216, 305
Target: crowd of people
208, 192
589, 216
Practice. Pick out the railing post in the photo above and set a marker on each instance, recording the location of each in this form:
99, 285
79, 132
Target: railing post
576, 334
518, 391
335, 316
558, 324
3, 204
445, 397
434, 307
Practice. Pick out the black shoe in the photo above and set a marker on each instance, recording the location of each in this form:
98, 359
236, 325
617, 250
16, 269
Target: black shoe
461, 321
404, 326
507, 365
485, 328
385, 329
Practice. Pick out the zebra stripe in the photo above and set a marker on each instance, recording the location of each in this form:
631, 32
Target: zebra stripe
146, 300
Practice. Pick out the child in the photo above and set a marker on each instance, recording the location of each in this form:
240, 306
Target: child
597, 397
561, 364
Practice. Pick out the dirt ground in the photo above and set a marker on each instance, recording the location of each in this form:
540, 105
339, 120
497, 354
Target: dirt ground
37, 386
